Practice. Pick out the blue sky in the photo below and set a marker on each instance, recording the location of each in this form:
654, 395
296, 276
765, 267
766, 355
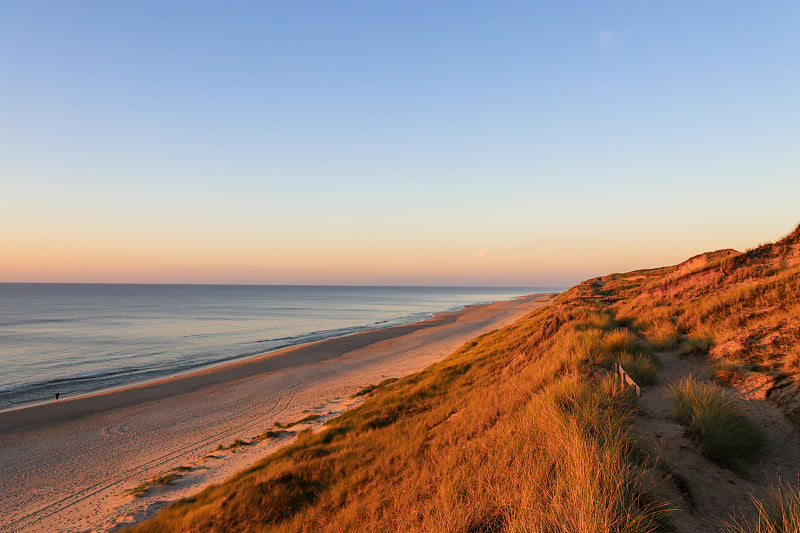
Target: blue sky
411, 142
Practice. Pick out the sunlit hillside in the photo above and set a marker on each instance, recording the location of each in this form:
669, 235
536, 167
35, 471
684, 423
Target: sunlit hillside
529, 428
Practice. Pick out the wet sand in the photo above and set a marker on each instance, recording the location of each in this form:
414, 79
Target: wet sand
68, 466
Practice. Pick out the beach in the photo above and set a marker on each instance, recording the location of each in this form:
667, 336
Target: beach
70, 465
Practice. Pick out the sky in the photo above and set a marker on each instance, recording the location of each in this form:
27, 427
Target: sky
422, 143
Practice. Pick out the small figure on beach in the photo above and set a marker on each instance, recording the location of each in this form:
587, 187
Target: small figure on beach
57, 395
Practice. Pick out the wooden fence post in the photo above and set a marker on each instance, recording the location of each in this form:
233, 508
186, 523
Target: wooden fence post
625, 379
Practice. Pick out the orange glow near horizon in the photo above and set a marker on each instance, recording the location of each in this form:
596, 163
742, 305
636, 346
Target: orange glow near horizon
194, 261
290, 249
288, 156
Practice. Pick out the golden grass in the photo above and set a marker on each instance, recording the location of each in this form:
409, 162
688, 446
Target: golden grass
662, 335
509, 433
164, 479
619, 340
523, 429
777, 512
742, 311
642, 367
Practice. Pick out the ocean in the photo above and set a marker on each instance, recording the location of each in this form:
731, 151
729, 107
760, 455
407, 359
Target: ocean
80, 338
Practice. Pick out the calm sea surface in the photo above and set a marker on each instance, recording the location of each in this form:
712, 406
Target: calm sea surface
79, 338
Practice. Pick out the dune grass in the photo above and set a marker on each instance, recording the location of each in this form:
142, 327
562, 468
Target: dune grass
777, 512
726, 435
524, 429
642, 367
695, 345
516, 431
166, 478
619, 340
740, 309
270, 434
662, 335
608, 346
371, 388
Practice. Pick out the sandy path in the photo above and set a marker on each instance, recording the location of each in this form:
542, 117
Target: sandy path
707, 494
67, 466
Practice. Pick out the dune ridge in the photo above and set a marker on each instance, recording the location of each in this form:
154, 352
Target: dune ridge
529, 429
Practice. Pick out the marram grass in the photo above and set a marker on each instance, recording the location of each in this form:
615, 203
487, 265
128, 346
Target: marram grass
777, 512
726, 435
507, 434
525, 429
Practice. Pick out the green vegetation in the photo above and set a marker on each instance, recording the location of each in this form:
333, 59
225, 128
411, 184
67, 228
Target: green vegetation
726, 435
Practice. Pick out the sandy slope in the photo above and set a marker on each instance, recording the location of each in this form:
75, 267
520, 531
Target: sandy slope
708, 495
68, 466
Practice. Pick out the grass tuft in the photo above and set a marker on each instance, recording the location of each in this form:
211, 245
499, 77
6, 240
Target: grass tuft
696, 345
643, 368
726, 435
663, 335
619, 340
164, 479
777, 512
270, 434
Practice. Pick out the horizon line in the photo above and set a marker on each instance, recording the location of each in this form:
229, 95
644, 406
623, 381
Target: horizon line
224, 284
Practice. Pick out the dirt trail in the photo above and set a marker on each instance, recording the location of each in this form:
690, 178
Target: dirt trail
708, 495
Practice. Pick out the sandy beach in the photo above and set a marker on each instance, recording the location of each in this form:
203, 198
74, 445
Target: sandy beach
70, 466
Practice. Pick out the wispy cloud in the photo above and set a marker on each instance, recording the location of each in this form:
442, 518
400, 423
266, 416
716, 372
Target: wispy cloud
606, 38
560, 241
533, 252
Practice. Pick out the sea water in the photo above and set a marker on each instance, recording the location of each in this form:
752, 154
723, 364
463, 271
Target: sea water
79, 338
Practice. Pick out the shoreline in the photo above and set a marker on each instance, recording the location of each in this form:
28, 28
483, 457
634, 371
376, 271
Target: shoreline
429, 321
28, 416
70, 464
